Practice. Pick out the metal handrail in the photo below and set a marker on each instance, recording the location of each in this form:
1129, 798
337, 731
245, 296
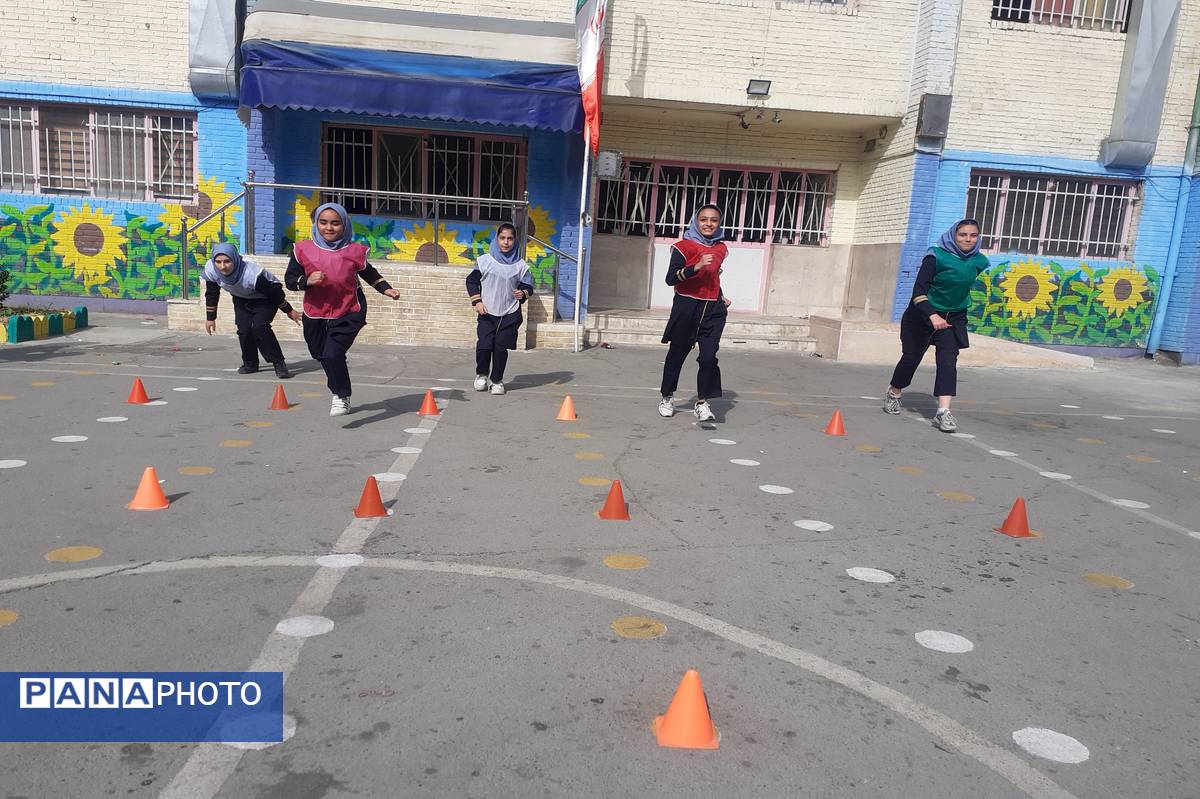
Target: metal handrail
218, 210
554, 249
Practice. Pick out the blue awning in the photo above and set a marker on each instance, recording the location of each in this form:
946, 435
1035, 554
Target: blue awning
318, 77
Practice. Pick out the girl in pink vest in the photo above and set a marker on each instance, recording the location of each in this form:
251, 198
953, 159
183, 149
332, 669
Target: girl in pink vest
698, 311
327, 269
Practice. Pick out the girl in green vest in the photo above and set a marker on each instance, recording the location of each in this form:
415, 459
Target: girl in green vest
938, 315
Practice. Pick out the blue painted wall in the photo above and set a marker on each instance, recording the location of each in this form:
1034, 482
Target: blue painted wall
1181, 330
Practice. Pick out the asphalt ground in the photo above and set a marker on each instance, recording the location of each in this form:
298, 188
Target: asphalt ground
477, 642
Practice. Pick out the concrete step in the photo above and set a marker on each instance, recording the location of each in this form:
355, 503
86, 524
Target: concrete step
757, 326
762, 343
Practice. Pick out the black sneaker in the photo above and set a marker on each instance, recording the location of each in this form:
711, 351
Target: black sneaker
247, 370
281, 371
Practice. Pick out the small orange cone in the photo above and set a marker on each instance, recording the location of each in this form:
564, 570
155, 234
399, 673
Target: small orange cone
137, 394
567, 412
280, 401
615, 509
835, 428
149, 495
370, 505
1017, 523
687, 724
429, 405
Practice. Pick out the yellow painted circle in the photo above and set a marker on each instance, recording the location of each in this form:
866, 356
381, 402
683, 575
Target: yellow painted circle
7, 397
595, 481
577, 435
259, 424
642, 627
236, 443
588, 456
7, 616
310, 394
73, 554
1044, 426
868, 448
914, 470
1143, 458
84, 373
626, 561
196, 470
1091, 441
42, 383
1107, 580
956, 496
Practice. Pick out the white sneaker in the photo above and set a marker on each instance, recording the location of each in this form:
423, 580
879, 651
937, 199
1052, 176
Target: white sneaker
339, 407
666, 408
497, 388
703, 412
481, 382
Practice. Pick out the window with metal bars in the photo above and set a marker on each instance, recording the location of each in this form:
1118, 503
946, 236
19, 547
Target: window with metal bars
454, 166
1053, 215
1097, 15
122, 154
757, 205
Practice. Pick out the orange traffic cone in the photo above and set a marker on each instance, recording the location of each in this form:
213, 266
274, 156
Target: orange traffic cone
835, 428
149, 495
370, 505
1017, 523
137, 394
280, 401
567, 412
687, 724
429, 405
615, 509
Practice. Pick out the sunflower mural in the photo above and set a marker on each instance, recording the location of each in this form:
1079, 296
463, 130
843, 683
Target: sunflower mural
210, 195
1121, 290
303, 206
542, 226
419, 246
1029, 287
88, 243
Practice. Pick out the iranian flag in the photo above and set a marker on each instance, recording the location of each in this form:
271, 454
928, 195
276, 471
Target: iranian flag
589, 41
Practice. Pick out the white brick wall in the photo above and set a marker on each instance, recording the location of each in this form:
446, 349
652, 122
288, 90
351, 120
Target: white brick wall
119, 43
1181, 91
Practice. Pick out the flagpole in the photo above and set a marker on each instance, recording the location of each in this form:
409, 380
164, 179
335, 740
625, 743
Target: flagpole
583, 193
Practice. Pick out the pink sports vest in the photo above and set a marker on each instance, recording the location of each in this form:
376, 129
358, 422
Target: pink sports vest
337, 294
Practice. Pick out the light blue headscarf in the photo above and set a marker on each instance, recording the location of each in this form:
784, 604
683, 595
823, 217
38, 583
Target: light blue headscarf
347, 228
693, 232
948, 242
239, 264
507, 258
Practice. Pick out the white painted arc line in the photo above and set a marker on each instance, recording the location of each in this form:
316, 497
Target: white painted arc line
1032, 782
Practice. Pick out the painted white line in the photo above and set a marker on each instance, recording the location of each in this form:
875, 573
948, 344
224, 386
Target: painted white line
1055, 475
417, 431
69, 439
1114, 418
1002, 453
340, 561
869, 575
1130, 503
814, 525
963, 435
113, 419
185, 388
12, 464
1075, 407
1164, 431
208, 378
1051, 745
942, 641
744, 462
390, 477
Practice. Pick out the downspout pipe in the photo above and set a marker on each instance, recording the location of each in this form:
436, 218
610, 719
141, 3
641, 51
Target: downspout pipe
1181, 207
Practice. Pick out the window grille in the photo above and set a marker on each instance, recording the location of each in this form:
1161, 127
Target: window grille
1097, 15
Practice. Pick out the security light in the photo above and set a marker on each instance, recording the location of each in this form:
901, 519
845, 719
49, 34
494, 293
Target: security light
758, 88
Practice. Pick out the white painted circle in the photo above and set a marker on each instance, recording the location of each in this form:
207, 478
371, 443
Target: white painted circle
208, 378
14, 464
1114, 418
1076, 407
185, 388
724, 442
814, 525
942, 641
1055, 475
390, 477
744, 462
155, 402
1051, 745
68, 439
963, 435
869, 575
439, 388
770, 489
447, 379
1194, 535
1164, 431
149, 323
234, 369
340, 561
304, 626
864, 396
1002, 453
406, 450
113, 419
417, 431
1130, 503
289, 729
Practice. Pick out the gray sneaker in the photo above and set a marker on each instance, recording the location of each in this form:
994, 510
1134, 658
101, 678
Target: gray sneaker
666, 407
891, 404
945, 421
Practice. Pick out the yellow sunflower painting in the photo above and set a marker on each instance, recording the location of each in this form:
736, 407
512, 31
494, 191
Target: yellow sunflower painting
212, 195
418, 246
1121, 289
88, 242
302, 210
1029, 288
542, 226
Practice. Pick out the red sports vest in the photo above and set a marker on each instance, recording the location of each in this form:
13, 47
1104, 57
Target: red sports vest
707, 284
337, 294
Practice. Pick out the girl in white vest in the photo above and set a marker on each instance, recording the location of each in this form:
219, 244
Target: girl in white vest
498, 286
257, 295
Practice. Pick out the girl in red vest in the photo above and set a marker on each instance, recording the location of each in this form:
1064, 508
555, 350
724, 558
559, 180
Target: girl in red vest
698, 311
327, 269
